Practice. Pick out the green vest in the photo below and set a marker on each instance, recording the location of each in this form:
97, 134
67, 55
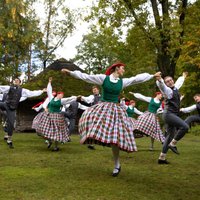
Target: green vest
110, 90
54, 106
153, 106
130, 112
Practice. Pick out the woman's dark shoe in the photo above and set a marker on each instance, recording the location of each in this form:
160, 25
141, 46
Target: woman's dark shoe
161, 162
116, 171
10, 144
91, 147
56, 149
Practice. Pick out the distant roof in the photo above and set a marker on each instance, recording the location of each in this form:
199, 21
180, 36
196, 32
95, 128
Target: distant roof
63, 63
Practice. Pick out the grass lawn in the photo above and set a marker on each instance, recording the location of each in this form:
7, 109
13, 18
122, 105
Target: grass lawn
30, 171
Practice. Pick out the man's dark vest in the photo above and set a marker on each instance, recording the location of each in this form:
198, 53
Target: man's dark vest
72, 110
198, 108
97, 98
13, 97
173, 105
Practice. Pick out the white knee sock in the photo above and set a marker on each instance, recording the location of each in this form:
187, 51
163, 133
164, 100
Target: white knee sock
173, 142
162, 156
115, 150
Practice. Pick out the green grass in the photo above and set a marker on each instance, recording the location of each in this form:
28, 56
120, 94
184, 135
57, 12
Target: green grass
30, 171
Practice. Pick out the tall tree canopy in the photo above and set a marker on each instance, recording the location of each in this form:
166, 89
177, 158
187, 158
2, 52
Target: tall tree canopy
58, 24
18, 31
161, 23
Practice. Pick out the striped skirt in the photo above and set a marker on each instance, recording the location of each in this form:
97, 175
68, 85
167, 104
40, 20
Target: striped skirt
107, 123
51, 126
148, 124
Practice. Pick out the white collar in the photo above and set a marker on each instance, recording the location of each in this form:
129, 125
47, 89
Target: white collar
113, 79
156, 100
131, 107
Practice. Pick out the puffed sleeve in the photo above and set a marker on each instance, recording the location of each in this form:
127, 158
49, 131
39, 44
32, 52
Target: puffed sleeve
95, 79
140, 78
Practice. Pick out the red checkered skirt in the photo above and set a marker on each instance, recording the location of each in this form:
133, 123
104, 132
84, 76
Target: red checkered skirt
133, 121
148, 124
107, 123
52, 126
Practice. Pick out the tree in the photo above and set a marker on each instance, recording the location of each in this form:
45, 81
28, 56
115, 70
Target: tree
98, 50
18, 31
190, 57
161, 22
58, 25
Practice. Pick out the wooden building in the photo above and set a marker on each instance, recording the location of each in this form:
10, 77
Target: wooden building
25, 114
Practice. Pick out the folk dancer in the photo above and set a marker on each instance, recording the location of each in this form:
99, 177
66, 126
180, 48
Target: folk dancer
14, 94
176, 127
148, 123
107, 123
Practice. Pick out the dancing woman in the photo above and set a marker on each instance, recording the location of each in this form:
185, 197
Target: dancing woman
107, 123
130, 109
148, 123
51, 123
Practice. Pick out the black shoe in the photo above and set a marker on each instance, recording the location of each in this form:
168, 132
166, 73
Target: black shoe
174, 149
91, 147
10, 144
56, 149
115, 174
161, 162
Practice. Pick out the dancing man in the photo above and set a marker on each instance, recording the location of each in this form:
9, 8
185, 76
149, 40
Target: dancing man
14, 94
193, 118
176, 127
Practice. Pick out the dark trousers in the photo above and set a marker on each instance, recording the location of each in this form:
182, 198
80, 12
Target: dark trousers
192, 118
71, 121
176, 129
72, 125
10, 115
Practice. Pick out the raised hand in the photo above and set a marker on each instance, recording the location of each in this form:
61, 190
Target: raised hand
185, 74
65, 71
50, 79
157, 75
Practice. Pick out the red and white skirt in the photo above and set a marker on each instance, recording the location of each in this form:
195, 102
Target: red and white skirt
107, 123
51, 126
148, 124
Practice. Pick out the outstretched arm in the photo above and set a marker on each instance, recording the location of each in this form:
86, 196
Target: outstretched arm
67, 100
4, 88
95, 79
28, 93
188, 109
141, 97
82, 107
140, 78
89, 99
137, 111
181, 80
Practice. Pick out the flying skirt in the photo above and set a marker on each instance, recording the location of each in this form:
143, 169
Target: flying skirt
107, 124
148, 124
51, 126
